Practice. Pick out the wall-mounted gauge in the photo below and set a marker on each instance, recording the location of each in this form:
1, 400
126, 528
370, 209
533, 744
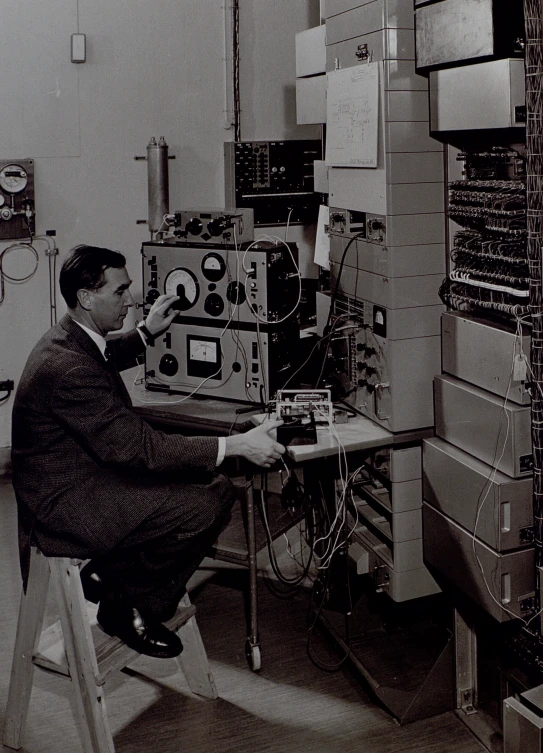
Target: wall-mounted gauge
213, 267
13, 178
17, 212
182, 282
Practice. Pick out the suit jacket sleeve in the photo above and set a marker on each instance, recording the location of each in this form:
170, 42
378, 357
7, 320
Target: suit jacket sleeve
84, 402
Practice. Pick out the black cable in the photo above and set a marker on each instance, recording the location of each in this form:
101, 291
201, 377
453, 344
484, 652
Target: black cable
336, 288
298, 580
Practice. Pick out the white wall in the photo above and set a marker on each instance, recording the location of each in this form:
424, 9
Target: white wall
153, 69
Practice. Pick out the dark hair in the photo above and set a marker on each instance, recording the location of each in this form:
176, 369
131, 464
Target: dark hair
84, 268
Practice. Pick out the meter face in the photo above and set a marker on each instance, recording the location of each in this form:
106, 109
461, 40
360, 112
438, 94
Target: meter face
182, 282
203, 350
213, 267
13, 178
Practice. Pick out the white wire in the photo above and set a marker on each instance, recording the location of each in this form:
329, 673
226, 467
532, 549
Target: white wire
340, 503
275, 240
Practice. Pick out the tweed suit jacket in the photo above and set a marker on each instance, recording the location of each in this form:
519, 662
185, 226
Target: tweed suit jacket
83, 461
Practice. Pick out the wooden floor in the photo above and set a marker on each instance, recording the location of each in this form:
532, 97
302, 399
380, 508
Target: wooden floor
290, 706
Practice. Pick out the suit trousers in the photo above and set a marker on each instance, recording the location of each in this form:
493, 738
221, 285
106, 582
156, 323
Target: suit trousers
151, 534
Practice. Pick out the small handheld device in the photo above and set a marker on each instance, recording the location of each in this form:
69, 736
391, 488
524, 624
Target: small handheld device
299, 403
301, 411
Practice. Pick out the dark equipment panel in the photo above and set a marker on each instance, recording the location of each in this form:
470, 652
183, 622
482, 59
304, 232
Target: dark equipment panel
275, 178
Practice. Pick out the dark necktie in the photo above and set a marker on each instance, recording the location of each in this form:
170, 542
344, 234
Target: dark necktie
116, 377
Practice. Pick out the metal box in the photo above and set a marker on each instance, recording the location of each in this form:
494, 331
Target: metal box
333, 7
500, 583
403, 183
311, 100
523, 722
388, 261
394, 324
320, 169
373, 16
396, 570
482, 352
494, 507
486, 95
310, 51
454, 30
482, 424
390, 292
405, 464
394, 45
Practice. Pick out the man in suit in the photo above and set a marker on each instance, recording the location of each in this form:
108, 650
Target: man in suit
94, 480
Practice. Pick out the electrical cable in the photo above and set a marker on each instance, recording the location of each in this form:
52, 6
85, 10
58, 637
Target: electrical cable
10, 278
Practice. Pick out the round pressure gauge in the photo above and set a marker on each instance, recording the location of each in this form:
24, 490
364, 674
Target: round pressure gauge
13, 178
182, 282
213, 267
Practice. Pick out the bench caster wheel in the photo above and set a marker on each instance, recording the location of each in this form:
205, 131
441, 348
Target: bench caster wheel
252, 652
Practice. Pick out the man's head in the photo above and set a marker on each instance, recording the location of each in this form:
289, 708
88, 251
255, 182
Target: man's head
95, 285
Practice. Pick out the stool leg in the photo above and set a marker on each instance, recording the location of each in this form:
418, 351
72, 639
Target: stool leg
31, 612
193, 660
90, 703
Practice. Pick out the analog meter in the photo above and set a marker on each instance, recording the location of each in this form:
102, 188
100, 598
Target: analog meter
13, 178
17, 210
213, 267
182, 282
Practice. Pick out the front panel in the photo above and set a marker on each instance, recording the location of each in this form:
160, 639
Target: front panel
390, 381
244, 365
486, 426
257, 284
494, 507
503, 584
497, 347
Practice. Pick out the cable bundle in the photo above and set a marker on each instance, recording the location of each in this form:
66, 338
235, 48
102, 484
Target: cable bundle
489, 260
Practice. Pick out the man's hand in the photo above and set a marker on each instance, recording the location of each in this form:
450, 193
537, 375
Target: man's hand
256, 445
161, 314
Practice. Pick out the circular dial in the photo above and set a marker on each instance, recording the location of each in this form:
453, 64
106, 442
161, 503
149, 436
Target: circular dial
213, 267
168, 365
194, 226
214, 304
235, 292
182, 282
13, 178
151, 296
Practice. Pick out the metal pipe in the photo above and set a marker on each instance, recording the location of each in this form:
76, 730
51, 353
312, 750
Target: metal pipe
158, 189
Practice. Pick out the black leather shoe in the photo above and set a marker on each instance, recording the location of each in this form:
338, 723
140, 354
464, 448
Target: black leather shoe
92, 583
143, 634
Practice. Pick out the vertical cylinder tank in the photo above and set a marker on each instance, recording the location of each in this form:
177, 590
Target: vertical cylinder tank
158, 191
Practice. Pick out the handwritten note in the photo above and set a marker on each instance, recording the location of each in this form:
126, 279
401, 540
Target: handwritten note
352, 116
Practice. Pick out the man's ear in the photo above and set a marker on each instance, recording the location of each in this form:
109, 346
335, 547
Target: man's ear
85, 299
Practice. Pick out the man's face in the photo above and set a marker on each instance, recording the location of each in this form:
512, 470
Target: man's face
109, 304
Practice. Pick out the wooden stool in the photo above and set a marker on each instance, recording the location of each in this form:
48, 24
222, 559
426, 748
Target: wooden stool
68, 648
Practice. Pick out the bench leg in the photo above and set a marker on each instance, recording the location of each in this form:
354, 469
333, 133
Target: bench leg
193, 660
91, 713
31, 612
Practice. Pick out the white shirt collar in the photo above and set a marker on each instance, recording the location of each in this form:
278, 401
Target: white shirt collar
97, 338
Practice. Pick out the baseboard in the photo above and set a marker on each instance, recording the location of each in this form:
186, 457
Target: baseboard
5, 461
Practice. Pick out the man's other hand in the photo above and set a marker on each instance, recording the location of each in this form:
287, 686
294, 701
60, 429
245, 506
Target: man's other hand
161, 314
256, 445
